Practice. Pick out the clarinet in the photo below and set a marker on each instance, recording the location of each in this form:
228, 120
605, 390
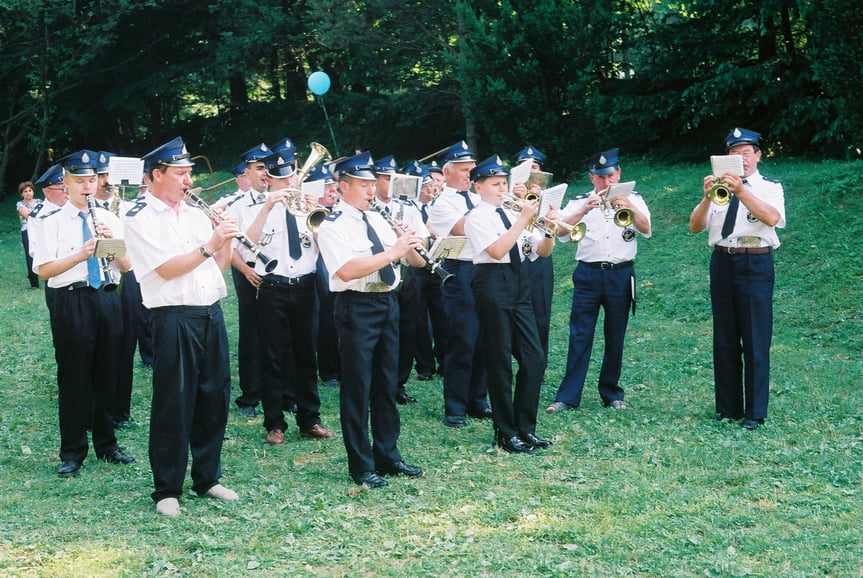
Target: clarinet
431, 265
107, 280
269, 264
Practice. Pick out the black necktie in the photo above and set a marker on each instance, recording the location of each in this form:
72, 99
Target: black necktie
731, 215
467, 200
424, 211
293, 237
514, 256
94, 271
107, 205
387, 274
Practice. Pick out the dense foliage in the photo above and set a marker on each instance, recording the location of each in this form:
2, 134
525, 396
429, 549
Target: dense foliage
409, 77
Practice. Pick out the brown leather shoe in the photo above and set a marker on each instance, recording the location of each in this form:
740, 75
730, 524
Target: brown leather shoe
317, 431
276, 437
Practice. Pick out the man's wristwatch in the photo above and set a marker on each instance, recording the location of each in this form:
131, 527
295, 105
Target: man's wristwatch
203, 252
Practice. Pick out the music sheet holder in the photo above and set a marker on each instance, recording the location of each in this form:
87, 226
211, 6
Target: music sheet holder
447, 247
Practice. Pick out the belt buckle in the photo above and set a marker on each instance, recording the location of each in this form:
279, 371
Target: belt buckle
606, 266
293, 281
731, 251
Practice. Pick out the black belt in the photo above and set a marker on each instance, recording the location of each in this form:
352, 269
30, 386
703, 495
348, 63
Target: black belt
743, 250
607, 265
281, 281
75, 286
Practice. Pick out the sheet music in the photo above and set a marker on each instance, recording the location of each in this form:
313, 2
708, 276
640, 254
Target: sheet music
109, 248
447, 247
552, 196
620, 189
125, 171
520, 173
721, 164
314, 188
405, 186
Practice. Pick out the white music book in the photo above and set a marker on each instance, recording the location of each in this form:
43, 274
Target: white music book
620, 189
405, 186
553, 196
721, 164
520, 173
125, 171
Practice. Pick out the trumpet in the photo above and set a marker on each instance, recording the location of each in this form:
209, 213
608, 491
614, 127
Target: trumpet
516, 204
108, 283
623, 217
269, 264
431, 265
719, 193
553, 226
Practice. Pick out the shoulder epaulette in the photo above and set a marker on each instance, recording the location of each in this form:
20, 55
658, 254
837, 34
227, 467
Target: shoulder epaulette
233, 200
772, 181
636, 193
46, 215
36, 210
137, 208
334, 215
580, 197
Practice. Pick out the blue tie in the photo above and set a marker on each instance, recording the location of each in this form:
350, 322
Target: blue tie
467, 200
514, 257
731, 215
294, 248
94, 273
386, 272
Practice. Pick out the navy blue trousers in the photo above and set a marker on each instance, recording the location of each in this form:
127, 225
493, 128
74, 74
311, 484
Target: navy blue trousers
248, 345
741, 292
464, 377
595, 288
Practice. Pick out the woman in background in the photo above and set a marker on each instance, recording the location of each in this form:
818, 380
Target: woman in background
24, 207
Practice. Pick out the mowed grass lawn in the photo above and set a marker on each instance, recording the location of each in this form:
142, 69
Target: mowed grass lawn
658, 490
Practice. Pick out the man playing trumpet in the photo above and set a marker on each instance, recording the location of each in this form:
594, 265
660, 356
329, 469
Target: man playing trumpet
741, 280
604, 277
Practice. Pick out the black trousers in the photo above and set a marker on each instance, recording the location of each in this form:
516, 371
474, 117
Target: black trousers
368, 326
286, 318
87, 335
409, 307
32, 277
431, 329
248, 347
191, 394
136, 332
541, 274
507, 330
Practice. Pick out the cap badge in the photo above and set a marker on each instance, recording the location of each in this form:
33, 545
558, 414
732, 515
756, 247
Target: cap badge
737, 133
85, 158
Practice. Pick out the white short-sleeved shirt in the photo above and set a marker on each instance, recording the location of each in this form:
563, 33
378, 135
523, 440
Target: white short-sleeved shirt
61, 233
749, 231
275, 244
446, 210
154, 235
483, 226
605, 241
343, 236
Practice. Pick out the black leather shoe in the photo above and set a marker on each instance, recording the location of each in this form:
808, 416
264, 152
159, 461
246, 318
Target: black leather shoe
455, 421
484, 413
403, 398
751, 424
424, 377
401, 468
69, 469
117, 457
122, 423
515, 445
536, 442
370, 479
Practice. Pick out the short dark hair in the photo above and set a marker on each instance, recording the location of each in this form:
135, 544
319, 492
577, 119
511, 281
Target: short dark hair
24, 185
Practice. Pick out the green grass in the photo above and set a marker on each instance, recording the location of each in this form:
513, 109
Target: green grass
658, 490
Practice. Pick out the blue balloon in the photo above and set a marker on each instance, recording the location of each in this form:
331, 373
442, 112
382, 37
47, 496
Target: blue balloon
319, 82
